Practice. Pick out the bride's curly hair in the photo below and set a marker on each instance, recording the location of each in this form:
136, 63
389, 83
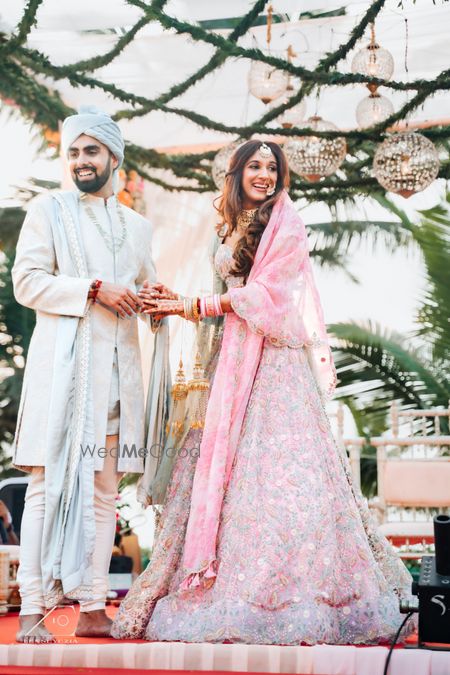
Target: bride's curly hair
231, 200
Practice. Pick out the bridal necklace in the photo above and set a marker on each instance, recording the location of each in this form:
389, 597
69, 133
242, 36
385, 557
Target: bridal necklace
113, 244
245, 218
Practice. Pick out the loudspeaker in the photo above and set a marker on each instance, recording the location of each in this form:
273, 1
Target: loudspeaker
433, 588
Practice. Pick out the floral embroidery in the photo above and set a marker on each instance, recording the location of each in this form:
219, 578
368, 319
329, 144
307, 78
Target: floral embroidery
300, 557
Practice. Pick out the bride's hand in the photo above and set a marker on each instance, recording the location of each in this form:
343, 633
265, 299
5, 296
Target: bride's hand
159, 308
155, 291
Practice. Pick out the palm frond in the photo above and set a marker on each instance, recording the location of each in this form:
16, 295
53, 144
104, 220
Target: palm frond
433, 236
376, 366
330, 257
343, 233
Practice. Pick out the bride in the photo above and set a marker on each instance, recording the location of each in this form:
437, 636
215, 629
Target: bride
263, 538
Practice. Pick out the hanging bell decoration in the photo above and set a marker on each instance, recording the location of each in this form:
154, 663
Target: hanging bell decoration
175, 425
198, 395
315, 157
406, 163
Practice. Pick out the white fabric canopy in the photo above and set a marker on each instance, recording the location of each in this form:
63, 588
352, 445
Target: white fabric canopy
158, 59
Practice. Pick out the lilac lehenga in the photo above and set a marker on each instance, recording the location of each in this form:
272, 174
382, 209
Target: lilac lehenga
300, 558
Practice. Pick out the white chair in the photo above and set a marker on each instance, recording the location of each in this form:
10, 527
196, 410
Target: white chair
409, 422
413, 485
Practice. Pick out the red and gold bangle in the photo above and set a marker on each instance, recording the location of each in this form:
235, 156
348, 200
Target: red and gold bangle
95, 287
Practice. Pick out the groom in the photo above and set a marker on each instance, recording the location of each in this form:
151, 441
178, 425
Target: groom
81, 259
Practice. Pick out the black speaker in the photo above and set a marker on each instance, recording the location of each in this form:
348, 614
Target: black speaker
433, 588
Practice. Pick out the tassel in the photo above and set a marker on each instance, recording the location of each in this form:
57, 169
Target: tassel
198, 395
179, 392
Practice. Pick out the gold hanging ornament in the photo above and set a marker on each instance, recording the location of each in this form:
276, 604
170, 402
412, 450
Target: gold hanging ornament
406, 163
315, 157
198, 395
179, 392
265, 81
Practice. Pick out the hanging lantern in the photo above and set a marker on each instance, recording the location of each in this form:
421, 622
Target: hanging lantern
372, 110
406, 163
315, 157
221, 163
373, 61
264, 81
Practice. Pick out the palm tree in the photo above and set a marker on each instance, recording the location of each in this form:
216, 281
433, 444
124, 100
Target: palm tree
376, 365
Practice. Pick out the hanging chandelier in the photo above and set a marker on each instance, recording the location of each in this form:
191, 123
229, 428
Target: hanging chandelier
293, 116
265, 81
372, 110
221, 163
406, 163
315, 157
373, 61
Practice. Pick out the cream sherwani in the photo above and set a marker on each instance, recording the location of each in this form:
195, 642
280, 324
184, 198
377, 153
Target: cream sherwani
39, 285
67, 241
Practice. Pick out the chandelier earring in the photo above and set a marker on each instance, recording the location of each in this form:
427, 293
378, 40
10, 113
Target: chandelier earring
271, 190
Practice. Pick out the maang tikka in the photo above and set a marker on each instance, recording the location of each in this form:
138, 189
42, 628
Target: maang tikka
265, 151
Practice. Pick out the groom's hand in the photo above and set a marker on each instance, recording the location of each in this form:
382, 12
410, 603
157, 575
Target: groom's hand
120, 298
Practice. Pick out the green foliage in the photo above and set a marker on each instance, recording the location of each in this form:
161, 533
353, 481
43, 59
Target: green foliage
16, 327
377, 366
23, 69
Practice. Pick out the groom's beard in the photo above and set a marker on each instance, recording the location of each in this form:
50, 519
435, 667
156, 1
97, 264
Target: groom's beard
97, 182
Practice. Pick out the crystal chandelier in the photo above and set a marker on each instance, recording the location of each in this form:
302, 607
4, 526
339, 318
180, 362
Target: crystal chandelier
372, 110
406, 163
373, 61
265, 81
221, 163
315, 157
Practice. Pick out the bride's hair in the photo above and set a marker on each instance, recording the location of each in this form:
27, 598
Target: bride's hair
230, 204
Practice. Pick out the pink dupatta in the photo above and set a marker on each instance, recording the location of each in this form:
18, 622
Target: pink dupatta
279, 303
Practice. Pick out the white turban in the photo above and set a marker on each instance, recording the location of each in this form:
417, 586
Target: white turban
96, 123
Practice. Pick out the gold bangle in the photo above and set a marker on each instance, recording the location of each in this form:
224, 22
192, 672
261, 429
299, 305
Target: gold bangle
195, 312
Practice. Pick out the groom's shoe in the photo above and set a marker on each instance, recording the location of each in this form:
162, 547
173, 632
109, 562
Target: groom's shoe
93, 624
32, 630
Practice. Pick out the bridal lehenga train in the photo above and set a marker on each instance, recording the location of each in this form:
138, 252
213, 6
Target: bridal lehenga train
300, 558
